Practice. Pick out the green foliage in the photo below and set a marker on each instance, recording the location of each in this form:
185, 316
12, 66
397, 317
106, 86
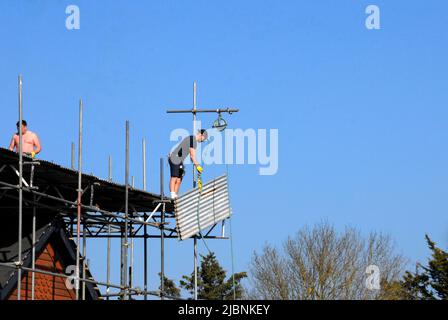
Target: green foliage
212, 283
392, 290
428, 282
169, 287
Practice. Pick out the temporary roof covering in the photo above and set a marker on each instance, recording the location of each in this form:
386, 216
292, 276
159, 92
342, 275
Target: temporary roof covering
48, 176
197, 211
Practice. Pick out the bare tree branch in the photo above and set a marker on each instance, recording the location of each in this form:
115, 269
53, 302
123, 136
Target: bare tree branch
320, 263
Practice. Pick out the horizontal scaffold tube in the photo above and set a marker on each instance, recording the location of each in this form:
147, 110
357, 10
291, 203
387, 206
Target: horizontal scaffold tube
74, 203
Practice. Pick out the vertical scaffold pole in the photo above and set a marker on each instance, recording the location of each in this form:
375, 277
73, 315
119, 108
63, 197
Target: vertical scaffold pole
108, 260
125, 256
33, 252
195, 111
162, 234
194, 186
131, 229
194, 125
19, 255
131, 265
84, 262
78, 219
144, 163
123, 271
145, 230
72, 163
108, 236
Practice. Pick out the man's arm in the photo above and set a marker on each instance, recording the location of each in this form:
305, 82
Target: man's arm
36, 144
193, 157
12, 144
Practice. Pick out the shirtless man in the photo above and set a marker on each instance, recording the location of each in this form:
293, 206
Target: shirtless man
30, 141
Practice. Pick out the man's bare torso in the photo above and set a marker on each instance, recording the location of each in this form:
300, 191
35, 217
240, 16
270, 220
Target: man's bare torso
28, 141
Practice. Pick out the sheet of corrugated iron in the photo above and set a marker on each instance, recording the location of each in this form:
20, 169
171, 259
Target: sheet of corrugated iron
197, 211
108, 194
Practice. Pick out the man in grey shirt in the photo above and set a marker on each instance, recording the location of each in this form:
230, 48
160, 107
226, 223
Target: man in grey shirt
186, 147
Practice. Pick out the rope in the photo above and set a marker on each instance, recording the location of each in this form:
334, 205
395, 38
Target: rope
197, 212
230, 225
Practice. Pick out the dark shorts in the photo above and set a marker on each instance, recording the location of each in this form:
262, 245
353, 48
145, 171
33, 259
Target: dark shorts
176, 170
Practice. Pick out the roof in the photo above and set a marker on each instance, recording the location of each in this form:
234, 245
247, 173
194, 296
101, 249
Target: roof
49, 228
109, 196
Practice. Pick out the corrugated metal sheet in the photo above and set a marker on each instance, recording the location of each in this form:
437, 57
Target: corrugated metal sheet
108, 195
195, 212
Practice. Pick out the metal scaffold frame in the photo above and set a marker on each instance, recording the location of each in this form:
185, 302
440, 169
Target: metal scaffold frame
194, 111
89, 221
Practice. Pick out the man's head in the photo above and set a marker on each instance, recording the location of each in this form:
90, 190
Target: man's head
24, 126
202, 135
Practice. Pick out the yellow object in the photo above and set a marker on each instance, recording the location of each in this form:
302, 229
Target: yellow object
199, 168
33, 154
200, 184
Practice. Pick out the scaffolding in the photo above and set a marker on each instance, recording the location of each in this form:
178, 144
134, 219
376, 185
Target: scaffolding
194, 111
138, 215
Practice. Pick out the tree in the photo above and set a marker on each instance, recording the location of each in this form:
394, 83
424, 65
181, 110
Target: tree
212, 283
428, 282
320, 263
169, 287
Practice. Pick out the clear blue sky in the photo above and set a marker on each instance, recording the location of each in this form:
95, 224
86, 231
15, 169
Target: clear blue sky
361, 114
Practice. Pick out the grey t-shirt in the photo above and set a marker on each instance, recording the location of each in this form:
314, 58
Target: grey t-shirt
183, 149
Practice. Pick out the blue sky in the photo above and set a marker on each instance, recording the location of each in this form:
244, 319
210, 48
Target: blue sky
361, 113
